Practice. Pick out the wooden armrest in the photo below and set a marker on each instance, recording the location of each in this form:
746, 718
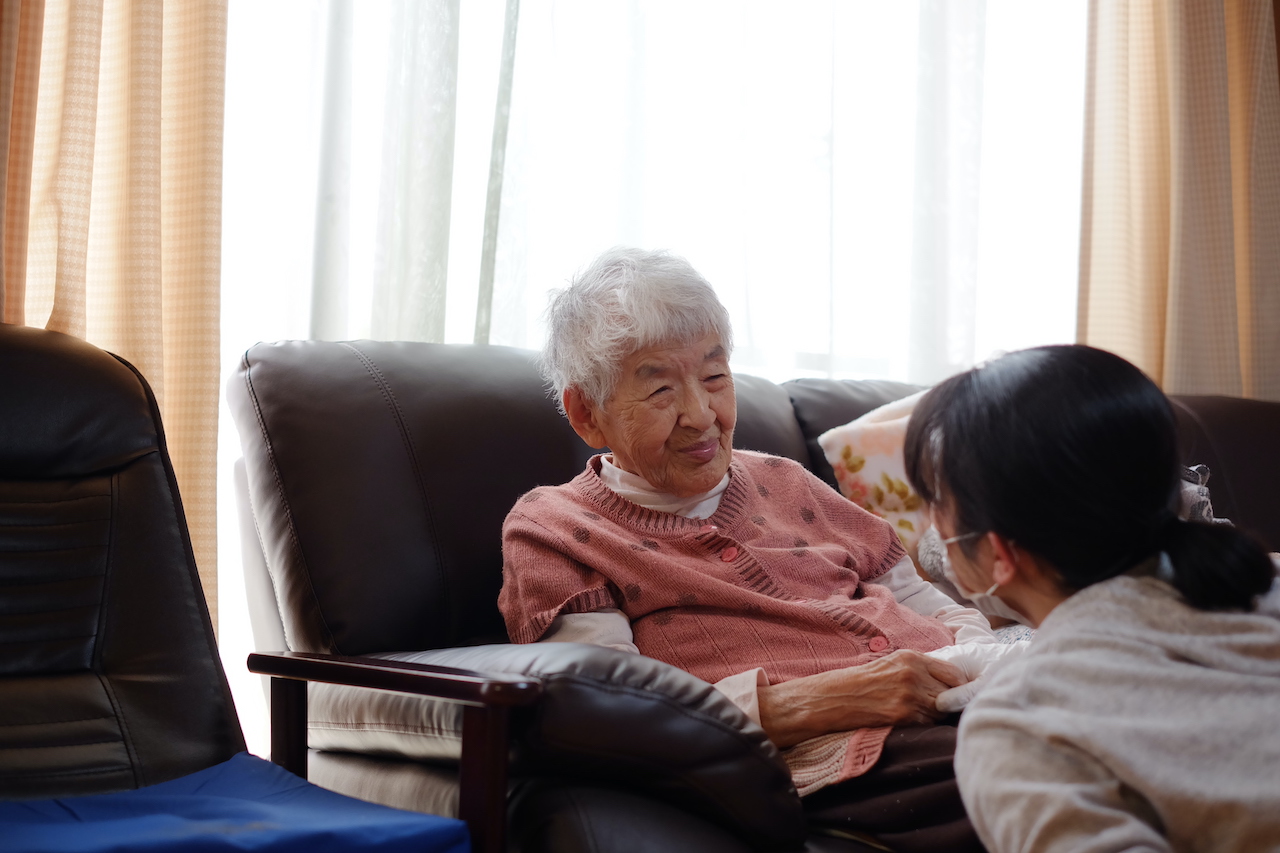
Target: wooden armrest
487, 702
441, 682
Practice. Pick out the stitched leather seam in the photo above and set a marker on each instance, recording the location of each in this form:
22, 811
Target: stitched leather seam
62, 745
327, 637
57, 500
64, 579
57, 722
398, 416
42, 639
584, 820
53, 610
46, 550
49, 550
75, 522
103, 615
120, 769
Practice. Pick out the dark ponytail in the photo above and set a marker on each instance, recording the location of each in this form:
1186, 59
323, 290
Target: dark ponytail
1072, 452
1215, 566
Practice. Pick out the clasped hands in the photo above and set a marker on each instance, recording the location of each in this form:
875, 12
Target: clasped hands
903, 688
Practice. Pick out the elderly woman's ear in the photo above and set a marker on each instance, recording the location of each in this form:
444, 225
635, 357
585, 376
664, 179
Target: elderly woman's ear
582, 417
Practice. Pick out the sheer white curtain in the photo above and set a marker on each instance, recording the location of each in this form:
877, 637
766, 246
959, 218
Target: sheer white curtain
875, 189
870, 186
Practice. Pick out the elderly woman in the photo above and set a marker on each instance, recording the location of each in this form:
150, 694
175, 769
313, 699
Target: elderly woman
1143, 715
741, 568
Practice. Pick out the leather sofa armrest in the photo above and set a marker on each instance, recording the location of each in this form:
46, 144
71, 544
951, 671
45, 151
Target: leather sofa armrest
604, 717
485, 727
441, 682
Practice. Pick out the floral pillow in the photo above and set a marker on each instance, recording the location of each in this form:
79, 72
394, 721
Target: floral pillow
866, 455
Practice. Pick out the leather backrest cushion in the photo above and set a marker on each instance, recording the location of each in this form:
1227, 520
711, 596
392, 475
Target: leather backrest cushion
765, 420
111, 676
380, 474
617, 718
67, 409
157, 648
821, 404
55, 536
1240, 442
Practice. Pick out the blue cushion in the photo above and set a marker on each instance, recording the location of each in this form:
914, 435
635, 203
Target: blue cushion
242, 804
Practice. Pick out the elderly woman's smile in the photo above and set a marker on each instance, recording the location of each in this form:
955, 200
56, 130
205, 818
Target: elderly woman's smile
670, 419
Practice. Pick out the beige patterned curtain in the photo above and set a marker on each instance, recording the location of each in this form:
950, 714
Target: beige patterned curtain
112, 226
1180, 241
21, 24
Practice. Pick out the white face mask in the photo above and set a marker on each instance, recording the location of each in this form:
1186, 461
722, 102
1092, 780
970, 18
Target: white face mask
985, 602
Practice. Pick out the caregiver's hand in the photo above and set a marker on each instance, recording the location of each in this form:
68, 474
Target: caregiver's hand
977, 662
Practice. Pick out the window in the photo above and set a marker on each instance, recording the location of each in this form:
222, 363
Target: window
876, 190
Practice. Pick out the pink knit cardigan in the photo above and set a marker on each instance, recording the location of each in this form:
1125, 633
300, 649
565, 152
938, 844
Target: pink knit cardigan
775, 578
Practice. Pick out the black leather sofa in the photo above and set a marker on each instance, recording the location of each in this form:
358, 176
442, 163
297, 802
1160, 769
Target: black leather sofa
378, 475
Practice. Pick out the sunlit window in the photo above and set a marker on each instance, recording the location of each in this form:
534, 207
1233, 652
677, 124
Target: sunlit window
876, 190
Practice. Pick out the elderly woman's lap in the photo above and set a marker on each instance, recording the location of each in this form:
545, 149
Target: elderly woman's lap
909, 799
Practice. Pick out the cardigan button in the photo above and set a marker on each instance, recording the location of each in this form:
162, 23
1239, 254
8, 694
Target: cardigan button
706, 528
878, 644
728, 554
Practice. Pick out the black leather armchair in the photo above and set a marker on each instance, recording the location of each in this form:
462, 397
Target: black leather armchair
379, 475
109, 675
110, 678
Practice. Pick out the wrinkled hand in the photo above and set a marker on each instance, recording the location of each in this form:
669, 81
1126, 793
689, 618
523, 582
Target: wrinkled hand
977, 662
899, 689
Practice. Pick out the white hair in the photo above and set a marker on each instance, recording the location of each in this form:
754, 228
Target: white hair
626, 300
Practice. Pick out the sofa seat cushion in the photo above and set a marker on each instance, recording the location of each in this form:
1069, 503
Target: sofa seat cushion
608, 716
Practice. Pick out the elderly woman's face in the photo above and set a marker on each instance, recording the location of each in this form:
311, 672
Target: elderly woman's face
670, 420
